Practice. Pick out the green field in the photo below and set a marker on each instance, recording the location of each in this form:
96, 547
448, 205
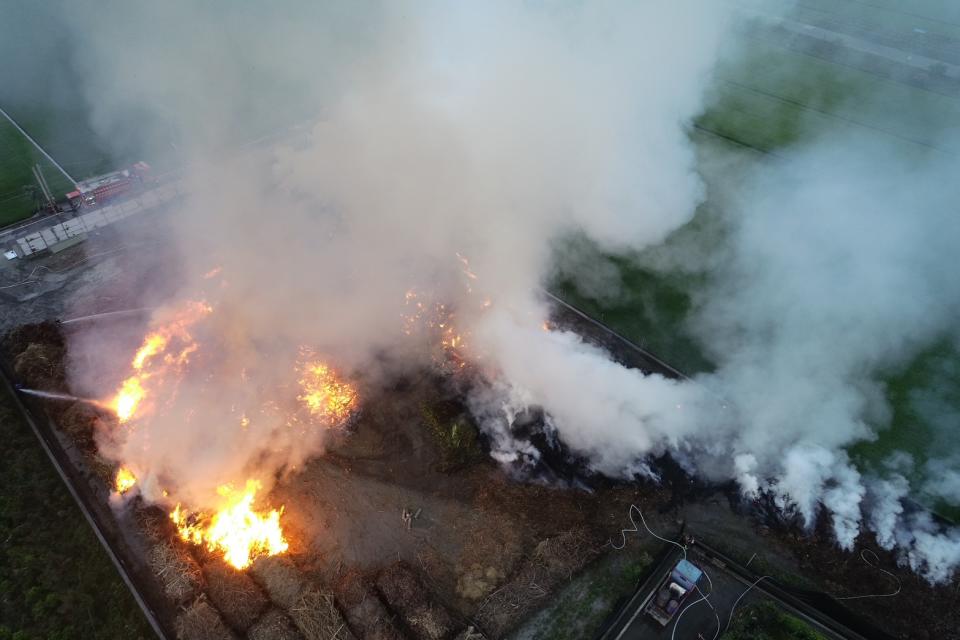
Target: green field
583, 605
774, 97
65, 134
940, 17
765, 621
56, 582
768, 101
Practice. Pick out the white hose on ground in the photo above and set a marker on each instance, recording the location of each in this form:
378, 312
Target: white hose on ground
875, 565
704, 597
737, 601
636, 529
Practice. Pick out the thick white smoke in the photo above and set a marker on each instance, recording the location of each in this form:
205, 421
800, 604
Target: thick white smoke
481, 131
494, 130
836, 270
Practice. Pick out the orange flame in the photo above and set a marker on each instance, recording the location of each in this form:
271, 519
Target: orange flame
325, 395
437, 321
145, 363
236, 530
128, 398
125, 480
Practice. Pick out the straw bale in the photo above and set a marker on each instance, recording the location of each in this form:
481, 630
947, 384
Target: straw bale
274, 625
153, 522
177, 571
280, 578
47, 332
234, 593
78, 421
553, 562
363, 609
406, 594
40, 366
316, 615
200, 621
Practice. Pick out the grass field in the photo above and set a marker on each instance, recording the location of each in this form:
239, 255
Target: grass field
580, 608
771, 100
776, 97
56, 582
64, 133
764, 621
940, 17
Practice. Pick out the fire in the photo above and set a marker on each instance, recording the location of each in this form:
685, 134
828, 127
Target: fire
237, 531
125, 480
153, 344
128, 398
325, 395
171, 340
437, 321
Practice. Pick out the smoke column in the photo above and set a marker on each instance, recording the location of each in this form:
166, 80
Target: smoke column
495, 131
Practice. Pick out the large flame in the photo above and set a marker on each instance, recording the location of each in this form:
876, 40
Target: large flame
236, 530
173, 341
325, 395
128, 398
125, 480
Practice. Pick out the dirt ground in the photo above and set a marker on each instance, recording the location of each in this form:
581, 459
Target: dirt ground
475, 530
483, 553
482, 550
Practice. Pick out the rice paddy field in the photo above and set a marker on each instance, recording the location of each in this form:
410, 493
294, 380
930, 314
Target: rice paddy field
63, 132
761, 104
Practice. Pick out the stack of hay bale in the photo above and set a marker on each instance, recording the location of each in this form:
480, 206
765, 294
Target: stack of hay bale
406, 594
364, 610
310, 608
554, 561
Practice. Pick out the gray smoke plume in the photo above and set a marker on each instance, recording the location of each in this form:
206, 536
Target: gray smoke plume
445, 134
491, 132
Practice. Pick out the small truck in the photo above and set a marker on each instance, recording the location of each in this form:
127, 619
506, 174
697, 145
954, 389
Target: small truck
673, 591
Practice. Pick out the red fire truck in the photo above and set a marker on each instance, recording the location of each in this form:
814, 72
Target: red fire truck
100, 189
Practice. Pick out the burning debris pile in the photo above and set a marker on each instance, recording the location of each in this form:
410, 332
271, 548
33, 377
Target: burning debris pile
231, 521
506, 543
225, 557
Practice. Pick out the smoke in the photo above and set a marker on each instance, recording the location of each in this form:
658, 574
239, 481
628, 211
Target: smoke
444, 139
495, 132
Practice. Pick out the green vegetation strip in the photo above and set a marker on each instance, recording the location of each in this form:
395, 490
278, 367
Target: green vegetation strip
455, 434
581, 608
766, 621
56, 583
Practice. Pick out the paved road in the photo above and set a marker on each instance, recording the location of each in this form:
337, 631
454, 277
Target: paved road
864, 44
697, 619
728, 589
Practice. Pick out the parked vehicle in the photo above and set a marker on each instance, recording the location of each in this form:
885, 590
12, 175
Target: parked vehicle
674, 591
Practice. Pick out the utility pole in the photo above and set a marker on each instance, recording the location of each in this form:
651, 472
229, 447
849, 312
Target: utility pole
44, 189
38, 147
